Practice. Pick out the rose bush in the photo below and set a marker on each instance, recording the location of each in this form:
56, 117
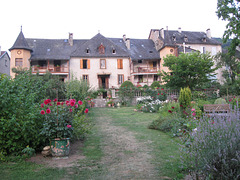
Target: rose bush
59, 117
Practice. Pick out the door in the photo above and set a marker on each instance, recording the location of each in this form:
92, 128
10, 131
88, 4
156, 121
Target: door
103, 81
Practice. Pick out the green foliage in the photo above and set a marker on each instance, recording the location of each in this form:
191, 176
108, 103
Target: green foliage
126, 93
127, 84
199, 95
155, 84
20, 123
200, 103
228, 10
220, 101
77, 89
185, 98
188, 70
2, 76
28, 151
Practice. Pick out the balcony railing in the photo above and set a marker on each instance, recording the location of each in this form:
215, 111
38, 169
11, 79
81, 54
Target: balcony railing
145, 70
52, 69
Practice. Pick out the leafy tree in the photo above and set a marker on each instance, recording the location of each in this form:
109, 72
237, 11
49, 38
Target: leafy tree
188, 70
228, 10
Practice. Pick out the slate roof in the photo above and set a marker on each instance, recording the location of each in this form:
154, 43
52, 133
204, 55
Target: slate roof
93, 44
192, 38
60, 49
20, 43
2, 53
52, 49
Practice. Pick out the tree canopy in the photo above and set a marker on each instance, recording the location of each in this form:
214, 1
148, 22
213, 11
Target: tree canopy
228, 10
188, 70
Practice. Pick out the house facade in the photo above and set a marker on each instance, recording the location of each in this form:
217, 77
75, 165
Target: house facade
178, 41
102, 62
4, 62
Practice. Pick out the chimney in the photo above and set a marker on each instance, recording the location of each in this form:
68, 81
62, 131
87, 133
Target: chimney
179, 30
70, 39
124, 37
0, 50
127, 42
162, 33
208, 32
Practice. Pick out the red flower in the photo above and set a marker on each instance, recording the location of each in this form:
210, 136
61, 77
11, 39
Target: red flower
55, 100
48, 111
49, 100
181, 105
70, 110
69, 126
161, 93
230, 100
42, 105
80, 102
58, 103
62, 103
158, 93
67, 102
162, 89
173, 107
50, 104
42, 112
46, 101
86, 111
169, 111
72, 103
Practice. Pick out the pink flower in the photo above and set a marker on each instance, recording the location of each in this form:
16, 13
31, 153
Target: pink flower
50, 104
193, 110
42, 105
162, 89
58, 103
48, 111
55, 100
194, 114
86, 111
80, 102
42, 112
158, 93
76, 105
70, 110
46, 101
161, 93
69, 126
62, 103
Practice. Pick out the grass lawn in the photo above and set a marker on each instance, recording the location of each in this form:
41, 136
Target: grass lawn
163, 149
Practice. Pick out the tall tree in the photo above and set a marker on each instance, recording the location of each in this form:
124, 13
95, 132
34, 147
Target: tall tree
228, 10
188, 70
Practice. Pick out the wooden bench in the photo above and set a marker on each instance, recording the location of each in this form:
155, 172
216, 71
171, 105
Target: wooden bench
217, 109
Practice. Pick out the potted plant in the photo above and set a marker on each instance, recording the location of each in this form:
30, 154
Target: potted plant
57, 126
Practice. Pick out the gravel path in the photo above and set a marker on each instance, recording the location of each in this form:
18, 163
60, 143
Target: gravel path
124, 156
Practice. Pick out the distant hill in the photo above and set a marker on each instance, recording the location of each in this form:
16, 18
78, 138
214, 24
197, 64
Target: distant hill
225, 45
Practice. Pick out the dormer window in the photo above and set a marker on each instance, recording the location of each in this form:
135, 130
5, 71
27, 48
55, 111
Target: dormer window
185, 38
101, 49
113, 50
87, 50
174, 37
204, 39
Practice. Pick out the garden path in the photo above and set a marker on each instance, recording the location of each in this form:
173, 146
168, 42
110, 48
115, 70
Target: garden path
124, 156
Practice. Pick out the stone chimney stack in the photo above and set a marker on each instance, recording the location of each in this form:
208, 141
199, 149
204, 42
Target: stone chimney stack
208, 32
162, 33
70, 39
127, 42
124, 37
179, 30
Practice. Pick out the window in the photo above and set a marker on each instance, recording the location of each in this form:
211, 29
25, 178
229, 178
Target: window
204, 50
102, 63
139, 61
84, 64
155, 78
120, 63
19, 62
114, 51
140, 78
85, 78
6, 63
87, 50
154, 64
101, 49
120, 78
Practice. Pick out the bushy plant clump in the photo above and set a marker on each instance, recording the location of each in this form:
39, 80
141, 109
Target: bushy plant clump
126, 93
155, 84
220, 101
185, 97
214, 147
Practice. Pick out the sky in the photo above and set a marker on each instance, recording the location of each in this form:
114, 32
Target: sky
55, 19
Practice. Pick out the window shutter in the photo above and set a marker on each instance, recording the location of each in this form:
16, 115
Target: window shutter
123, 78
88, 63
118, 63
81, 64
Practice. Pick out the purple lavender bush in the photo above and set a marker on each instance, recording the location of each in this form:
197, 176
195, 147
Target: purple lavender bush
213, 150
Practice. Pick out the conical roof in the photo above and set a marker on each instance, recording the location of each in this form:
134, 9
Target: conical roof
20, 43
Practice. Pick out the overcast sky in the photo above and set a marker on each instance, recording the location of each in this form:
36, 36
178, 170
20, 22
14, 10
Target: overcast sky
54, 19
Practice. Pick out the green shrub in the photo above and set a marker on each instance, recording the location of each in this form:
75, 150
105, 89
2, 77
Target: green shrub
127, 84
155, 85
185, 98
199, 95
220, 101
